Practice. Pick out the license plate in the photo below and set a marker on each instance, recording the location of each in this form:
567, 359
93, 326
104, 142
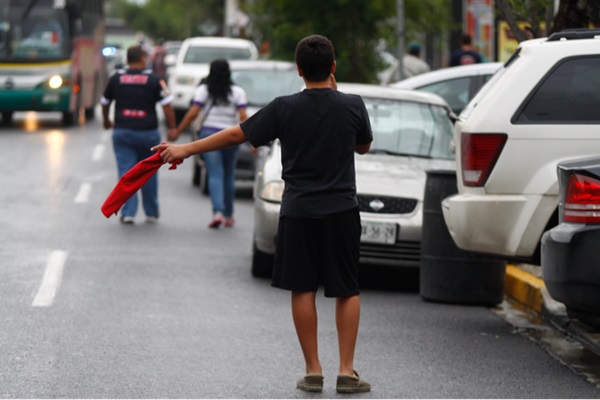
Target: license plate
51, 98
378, 232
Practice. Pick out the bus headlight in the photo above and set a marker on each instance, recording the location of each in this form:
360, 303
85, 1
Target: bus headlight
272, 191
55, 82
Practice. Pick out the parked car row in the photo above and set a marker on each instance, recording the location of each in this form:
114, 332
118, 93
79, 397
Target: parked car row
412, 132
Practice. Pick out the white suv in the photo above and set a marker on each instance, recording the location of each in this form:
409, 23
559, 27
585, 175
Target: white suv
542, 107
193, 64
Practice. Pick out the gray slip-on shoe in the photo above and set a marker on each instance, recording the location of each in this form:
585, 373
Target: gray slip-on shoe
352, 384
311, 383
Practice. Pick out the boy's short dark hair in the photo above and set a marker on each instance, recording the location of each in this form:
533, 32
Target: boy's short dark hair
315, 56
135, 53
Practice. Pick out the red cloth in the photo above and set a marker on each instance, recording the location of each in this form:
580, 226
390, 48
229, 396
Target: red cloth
132, 181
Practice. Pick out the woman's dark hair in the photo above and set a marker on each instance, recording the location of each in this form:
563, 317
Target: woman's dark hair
315, 56
219, 81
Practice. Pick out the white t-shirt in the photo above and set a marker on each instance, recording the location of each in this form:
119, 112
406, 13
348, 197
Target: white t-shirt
221, 116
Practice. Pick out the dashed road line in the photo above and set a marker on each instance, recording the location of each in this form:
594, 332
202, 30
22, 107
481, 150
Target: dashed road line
83, 195
52, 279
98, 152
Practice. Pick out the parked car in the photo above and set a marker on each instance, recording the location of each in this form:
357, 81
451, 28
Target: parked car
539, 109
412, 133
457, 85
193, 63
570, 250
263, 81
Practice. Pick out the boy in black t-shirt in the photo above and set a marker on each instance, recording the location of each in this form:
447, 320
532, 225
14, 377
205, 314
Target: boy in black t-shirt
319, 228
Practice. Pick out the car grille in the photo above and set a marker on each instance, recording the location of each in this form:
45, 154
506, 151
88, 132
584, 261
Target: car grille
389, 205
403, 253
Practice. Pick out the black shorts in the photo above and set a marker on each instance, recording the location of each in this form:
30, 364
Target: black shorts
314, 251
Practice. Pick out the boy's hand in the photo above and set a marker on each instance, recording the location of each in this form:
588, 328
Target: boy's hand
171, 152
332, 82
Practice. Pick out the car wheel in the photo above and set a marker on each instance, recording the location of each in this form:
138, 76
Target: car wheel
203, 180
262, 263
7, 117
196, 174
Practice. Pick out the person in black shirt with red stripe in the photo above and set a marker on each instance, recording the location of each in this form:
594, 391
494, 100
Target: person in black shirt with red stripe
136, 91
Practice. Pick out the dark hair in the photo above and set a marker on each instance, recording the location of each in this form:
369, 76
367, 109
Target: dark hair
465, 39
135, 53
219, 81
315, 56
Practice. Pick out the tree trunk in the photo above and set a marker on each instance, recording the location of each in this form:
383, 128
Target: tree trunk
571, 14
509, 16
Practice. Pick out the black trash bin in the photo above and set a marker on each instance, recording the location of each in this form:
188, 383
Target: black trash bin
449, 274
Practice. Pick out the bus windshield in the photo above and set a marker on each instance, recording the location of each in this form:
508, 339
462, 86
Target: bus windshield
34, 30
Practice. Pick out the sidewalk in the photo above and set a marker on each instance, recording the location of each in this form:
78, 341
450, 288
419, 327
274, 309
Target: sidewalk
524, 285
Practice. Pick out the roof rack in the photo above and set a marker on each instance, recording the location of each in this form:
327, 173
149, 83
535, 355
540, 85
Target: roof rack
572, 34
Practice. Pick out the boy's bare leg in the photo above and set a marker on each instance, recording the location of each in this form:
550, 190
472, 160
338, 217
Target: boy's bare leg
304, 312
347, 315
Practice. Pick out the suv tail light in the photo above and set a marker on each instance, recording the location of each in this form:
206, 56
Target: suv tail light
582, 200
479, 153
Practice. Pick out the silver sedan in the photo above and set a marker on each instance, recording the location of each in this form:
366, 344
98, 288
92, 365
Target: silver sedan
412, 132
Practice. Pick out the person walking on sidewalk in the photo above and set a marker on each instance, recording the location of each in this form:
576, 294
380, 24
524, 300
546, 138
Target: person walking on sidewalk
135, 92
225, 106
319, 227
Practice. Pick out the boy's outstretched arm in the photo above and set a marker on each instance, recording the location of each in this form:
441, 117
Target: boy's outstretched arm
220, 140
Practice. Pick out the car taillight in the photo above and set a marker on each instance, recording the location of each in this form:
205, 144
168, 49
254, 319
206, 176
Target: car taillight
479, 153
582, 200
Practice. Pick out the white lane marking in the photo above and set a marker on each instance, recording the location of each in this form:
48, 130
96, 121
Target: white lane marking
98, 152
52, 279
83, 195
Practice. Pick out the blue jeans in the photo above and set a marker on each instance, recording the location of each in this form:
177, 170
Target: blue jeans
130, 148
220, 170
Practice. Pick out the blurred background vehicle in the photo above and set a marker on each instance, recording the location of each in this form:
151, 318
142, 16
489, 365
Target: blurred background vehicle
570, 251
263, 81
457, 85
193, 62
172, 48
412, 133
539, 109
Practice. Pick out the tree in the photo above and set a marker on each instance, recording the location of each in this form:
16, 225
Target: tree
571, 14
169, 19
356, 28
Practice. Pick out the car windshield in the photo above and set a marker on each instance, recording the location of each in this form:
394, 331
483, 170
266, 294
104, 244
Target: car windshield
409, 129
205, 55
262, 86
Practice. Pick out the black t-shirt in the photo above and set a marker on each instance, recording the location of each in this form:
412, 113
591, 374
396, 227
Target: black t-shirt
136, 93
318, 130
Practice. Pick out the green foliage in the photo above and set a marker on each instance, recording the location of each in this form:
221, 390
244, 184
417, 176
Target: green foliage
356, 28
169, 19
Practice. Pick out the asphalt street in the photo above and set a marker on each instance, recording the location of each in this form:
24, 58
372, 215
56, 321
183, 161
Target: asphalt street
95, 309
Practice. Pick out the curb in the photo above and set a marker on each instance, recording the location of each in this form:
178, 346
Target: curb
529, 291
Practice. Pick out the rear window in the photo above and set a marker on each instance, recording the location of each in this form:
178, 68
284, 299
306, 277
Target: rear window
205, 55
570, 93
